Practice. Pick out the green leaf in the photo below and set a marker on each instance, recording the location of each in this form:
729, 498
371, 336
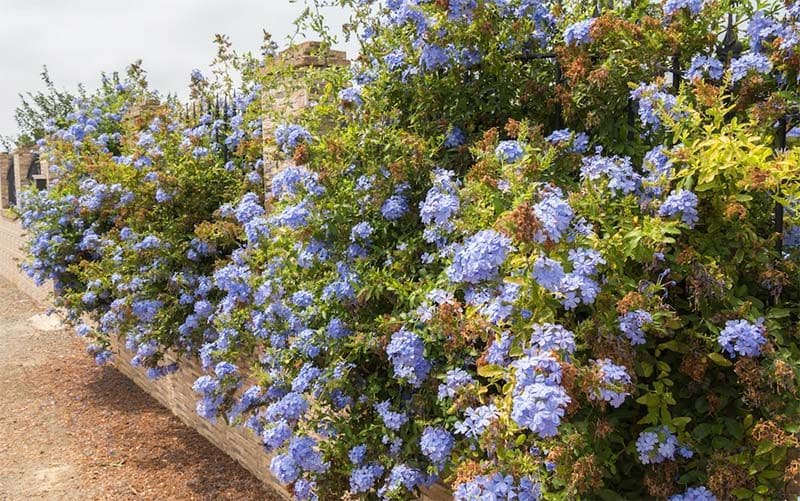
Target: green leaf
491, 371
675, 346
681, 422
779, 313
764, 447
719, 359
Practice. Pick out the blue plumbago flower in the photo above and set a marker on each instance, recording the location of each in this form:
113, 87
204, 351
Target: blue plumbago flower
101, 356
579, 33
394, 207
455, 137
552, 337
223, 369
791, 237
548, 273
657, 163
146, 309
694, 494
659, 445
433, 57
83, 330
455, 379
249, 208
363, 478
406, 351
673, 6
585, 261
476, 420
479, 258
303, 299
293, 216
307, 375
147, 243
197, 76
496, 306
740, 337
361, 231
357, 454
749, 61
163, 196
285, 469
683, 203
337, 329
291, 178
440, 204
705, 65
509, 151
89, 298
575, 142
161, 371
304, 490
538, 399
613, 381
305, 453
351, 96
654, 102
497, 353
290, 136
276, 436
436, 444
498, 487
392, 420
461, 10
290, 408
632, 324
554, 215
619, 171
761, 28
401, 476
395, 60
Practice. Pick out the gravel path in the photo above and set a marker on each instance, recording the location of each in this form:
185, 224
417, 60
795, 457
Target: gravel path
72, 430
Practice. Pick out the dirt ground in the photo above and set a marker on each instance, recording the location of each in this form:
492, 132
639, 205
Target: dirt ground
72, 430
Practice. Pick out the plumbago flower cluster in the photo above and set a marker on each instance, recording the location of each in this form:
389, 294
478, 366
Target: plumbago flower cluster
126, 232
469, 270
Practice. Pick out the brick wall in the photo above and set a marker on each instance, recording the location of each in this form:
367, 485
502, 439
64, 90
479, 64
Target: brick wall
12, 238
175, 393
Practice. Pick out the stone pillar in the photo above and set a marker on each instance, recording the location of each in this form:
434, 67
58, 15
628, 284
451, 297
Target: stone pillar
22, 164
5, 165
291, 97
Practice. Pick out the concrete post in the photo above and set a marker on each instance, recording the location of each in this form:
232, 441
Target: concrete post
5, 165
290, 99
22, 164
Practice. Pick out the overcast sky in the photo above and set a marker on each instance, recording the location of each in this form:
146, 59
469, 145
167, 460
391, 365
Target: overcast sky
78, 39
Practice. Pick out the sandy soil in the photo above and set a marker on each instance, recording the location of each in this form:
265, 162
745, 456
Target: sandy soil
72, 430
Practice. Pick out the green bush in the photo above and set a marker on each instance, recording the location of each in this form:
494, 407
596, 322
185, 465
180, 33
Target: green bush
510, 255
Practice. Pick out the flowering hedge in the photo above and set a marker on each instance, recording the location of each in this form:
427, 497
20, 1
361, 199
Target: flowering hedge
510, 255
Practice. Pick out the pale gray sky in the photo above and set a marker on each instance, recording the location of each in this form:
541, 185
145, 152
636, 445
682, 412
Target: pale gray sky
77, 39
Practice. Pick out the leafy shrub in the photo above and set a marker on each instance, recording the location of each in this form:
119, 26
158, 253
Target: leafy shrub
508, 256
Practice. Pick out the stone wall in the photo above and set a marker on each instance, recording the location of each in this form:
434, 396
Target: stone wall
175, 393
12, 239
